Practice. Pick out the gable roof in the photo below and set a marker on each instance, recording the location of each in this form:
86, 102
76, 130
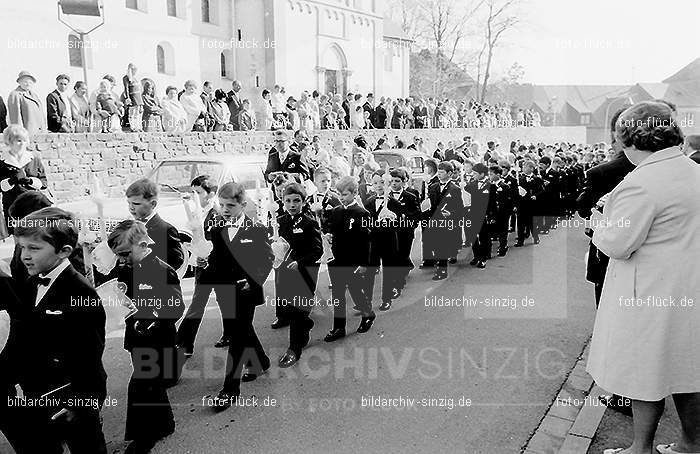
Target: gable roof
690, 72
393, 30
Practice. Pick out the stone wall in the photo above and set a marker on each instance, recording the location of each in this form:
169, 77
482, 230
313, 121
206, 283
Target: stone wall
119, 158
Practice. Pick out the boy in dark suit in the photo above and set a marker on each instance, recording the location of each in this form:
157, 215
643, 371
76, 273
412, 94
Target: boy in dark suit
295, 278
203, 285
60, 333
503, 198
384, 245
480, 214
426, 243
442, 211
284, 158
350, 240
142, 196
325, 199
150, 335
241, 261
404, 203
532, 188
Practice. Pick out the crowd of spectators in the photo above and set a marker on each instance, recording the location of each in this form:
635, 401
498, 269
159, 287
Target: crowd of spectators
135, 104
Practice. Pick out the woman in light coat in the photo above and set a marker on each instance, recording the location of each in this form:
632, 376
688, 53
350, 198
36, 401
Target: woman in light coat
80, 107
646, 338
174, 115
193, 104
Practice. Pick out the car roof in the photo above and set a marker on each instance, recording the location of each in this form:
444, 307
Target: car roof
226, 159
401, 151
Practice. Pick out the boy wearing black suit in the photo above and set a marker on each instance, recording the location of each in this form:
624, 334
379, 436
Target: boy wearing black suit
384, 245
426, 242
532, 189
203, 282
295, 278
482, 210
150, 335
503, 198
324, 200
442, 211
142, 196
241, 260
60, 339
404, 203
350, 240
283, 158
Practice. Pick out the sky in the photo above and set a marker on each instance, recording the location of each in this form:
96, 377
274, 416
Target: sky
603, 41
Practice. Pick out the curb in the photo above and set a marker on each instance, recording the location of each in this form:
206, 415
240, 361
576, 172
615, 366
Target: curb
571, 422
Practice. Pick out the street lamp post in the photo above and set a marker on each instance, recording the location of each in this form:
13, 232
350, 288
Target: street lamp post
92, 8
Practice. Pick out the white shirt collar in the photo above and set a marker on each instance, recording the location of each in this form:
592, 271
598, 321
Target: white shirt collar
53, 274
354, 202
149, 217
24, 158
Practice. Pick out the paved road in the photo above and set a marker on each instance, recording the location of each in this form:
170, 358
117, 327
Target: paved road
480, 377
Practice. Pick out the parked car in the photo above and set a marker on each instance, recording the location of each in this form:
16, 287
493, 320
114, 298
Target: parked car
173, 176
411, 159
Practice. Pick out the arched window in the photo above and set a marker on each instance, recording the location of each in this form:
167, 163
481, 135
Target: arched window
75, 52
160, 59
165, 58
224, 73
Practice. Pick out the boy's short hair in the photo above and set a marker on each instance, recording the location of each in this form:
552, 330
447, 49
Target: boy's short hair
144, 188
126, 234
399, 173
14, 132
380, 173
496, 169
480, 167
322, 171
504, 164
446, 166
233, 191
205, 182
529, 163
27, 203
347, 183
53, 225
294, 188
546, 160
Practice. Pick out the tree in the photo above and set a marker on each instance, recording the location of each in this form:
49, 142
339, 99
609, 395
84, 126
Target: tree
499, 19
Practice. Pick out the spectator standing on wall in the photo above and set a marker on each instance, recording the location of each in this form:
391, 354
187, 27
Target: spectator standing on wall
195, 108
219, 111
174, 115
279, 111
152, 110
133, 99
80, 107
24, 105
267, 114
235, 104
246, 118
58, 113
96, 119
3, 115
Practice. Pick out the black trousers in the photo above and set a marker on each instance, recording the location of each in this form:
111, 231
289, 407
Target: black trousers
187, 332
299, 284
344, 278
299, 327
245, 348
405, 238
500, 232
31, 431
149, 415
527, 226
426, 247
482, 244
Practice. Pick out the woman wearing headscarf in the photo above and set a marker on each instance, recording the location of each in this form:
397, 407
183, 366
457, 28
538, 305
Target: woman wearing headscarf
152, 111
80, 107
193, 104
645, 338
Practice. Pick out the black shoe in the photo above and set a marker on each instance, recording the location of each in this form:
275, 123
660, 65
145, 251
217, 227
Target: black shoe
518, 244
537, 241
288, 359
250, 375
222, 343
224, 400
452, 260
395, 293
141, 446
187, 352
481, 264
366, 323
279, 323
426, 264
502, 252
617, 403
334, 334
474, 262
386, 305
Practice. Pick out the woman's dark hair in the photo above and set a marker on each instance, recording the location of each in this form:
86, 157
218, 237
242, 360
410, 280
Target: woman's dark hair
27, 203
648, 126
78, 84
613, 121
219, 94
265, 92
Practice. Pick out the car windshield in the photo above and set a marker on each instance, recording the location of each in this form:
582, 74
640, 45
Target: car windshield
177, 175
415, 164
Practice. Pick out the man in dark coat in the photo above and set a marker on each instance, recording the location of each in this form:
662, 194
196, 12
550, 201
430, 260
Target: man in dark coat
235, 104
285, 158
58, 112
3, 115
369, 107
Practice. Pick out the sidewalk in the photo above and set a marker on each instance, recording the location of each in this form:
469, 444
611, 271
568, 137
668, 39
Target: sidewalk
576, 422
